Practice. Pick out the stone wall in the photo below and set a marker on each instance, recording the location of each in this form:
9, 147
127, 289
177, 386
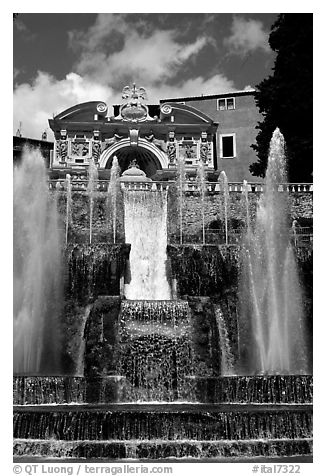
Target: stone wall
300, 209
300, 206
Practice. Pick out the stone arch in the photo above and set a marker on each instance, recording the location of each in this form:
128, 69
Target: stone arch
149, 157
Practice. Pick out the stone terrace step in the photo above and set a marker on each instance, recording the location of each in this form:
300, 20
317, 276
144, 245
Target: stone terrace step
242, 389
160, 449
198, 422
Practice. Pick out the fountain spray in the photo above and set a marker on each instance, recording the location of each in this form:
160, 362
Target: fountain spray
271, 294
201, 181
68, 205
91, 188
225, 199
112, 193
37, 267
180, 182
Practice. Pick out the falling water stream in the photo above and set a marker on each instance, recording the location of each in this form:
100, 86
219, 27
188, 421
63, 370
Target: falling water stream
227, 359
146, 231
82, 343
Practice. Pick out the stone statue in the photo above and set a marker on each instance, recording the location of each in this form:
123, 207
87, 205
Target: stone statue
133, 164
159, 143
172, 152
62, 150
96, 151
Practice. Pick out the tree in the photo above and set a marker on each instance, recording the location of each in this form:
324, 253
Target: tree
286, 97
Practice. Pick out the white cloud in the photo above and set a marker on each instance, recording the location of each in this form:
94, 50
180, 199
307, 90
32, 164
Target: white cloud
35, 104
114, 52
192, 87
247, 36
139, 53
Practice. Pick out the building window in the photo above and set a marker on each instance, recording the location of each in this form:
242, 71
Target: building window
225, 103
227, 146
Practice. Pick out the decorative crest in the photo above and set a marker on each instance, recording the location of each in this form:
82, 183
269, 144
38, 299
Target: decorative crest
133, 108
134, 93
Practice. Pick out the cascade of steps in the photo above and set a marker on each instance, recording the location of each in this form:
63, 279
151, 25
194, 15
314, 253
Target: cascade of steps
157, 407
157, 431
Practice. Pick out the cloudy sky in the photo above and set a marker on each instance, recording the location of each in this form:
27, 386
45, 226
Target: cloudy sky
64, 59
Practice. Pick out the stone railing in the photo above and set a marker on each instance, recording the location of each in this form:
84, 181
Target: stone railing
189, 186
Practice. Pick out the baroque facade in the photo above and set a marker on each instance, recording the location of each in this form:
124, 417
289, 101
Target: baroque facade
158, 135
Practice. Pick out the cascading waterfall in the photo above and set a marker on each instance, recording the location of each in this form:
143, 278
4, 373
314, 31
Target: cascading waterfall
91, 189
146, 231
225, 203
112, 194
81, 352
37, 258
201, 181
154, 349
270, 290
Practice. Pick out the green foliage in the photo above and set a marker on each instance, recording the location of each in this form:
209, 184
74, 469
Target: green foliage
286, 97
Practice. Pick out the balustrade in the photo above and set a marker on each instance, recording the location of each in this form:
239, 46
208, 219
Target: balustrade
189, 186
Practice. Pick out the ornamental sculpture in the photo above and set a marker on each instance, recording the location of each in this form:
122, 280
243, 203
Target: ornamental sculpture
62, 150
96, 151
172, 151
204, 148
133, 108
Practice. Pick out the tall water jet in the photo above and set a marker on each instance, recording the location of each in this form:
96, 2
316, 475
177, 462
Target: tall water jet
91, 189
201, 182
272, 309
180, 183
146, 231
112, 194
36, 269
225, 203
68, 205
246, 203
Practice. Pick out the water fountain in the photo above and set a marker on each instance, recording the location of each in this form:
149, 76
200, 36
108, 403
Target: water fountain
246, 203
91, 190
224, 185
68, 205
180, 183
112, 194
37, 271
271, 296
161, 376
201, 181
145, 230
